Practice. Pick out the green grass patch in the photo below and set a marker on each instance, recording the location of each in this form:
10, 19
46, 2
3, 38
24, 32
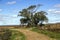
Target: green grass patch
51, 34
16, 35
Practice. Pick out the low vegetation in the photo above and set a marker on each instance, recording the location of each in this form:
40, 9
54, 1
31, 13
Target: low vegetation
51, 34
6, 34
16, 35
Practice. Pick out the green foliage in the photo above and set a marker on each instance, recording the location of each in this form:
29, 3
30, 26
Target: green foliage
31, 16
51, 34
16, 35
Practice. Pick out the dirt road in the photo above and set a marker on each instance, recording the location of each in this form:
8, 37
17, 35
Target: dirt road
33, 35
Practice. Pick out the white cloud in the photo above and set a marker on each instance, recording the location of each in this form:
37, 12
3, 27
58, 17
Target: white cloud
54, 11
51, 9
6, 19
57, 5
57, 11
12, 2
0, 10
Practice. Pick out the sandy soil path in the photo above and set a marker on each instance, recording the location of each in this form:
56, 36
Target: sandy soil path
33, 35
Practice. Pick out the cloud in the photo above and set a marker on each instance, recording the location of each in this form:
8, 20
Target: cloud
0, 10
6, 19
12, 2
8, 16
57, 5
54, 11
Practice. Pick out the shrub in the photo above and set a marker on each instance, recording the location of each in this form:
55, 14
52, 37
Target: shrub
5, 34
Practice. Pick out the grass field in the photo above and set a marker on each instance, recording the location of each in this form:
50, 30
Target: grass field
8, 34
16, 35
51, 34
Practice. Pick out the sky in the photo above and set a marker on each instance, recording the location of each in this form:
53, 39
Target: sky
9, 9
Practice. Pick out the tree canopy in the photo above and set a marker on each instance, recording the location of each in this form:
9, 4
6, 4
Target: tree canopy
32, 17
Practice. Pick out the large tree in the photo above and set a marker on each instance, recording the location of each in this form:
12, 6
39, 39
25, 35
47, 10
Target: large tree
31, 16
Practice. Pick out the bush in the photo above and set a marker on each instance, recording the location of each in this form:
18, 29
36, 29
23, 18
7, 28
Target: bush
5, 34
